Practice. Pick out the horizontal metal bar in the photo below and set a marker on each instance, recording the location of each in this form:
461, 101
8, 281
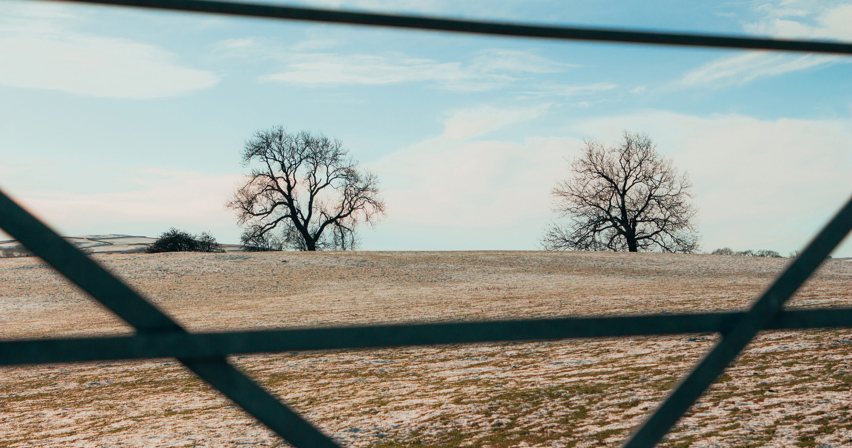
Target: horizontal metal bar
269, 11
190, 346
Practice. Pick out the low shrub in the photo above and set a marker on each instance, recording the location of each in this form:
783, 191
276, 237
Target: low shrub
767, 254
747, 253
14, 252
261, 243
723, 251
179, 241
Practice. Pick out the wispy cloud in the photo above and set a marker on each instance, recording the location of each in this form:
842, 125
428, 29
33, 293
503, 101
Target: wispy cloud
488, 70
27, 13
803, 19
265, 48
501, 60
747, 67
314, 44
780, 19
305, 65
237, 44
472, 122
569, 90
364, 69
38, 52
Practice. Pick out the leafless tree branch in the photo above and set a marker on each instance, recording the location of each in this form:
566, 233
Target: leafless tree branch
624, 198
308, 188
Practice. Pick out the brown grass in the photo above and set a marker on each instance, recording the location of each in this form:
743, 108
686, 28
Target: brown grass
788, 389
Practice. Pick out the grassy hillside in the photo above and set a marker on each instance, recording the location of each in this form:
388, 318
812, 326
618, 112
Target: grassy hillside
788, 389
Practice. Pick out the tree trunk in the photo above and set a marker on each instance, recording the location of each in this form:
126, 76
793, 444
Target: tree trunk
631, 242
310, 243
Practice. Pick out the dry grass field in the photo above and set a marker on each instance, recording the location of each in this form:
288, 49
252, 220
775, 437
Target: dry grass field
789, 389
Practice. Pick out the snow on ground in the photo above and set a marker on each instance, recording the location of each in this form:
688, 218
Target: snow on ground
788, 389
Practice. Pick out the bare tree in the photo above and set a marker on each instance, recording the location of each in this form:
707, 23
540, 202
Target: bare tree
624, 198
308, 188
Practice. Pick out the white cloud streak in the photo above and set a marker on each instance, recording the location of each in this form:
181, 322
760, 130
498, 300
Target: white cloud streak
488, 70
359, 69
747, 67
466, 123
570, 90
786, 19
39, 53
803, 19
494, 59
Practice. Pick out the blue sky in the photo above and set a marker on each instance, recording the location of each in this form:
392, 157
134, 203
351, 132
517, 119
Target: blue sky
126, 121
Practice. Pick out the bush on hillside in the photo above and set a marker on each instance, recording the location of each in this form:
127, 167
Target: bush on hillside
266, 242
767, 254
747, 253
179, 241
14, 252
723, 251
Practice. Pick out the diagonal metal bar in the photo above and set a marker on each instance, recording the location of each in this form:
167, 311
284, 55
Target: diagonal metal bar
765, 309
480, 27
211, 345
148, 319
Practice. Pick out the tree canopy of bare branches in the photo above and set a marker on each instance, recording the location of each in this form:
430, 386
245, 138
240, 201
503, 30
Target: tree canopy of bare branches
308, 188
624, 198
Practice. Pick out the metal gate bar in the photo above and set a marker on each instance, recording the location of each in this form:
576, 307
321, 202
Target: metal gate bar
764, 310
217, 344
147, 319
204, 353
269, 11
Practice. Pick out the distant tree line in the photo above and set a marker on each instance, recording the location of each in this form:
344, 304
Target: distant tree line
754, 253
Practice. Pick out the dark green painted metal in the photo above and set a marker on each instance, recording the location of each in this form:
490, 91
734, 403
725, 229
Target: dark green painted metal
149, 320
767, 308
205, 345
268, 11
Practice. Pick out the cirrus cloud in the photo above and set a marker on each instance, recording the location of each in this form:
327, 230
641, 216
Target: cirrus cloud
471, 122
488, 70
788, 20
37, 52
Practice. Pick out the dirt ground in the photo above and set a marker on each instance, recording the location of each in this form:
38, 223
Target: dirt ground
788, 389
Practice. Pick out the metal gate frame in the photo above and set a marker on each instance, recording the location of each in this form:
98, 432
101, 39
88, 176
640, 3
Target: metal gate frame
159, 336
